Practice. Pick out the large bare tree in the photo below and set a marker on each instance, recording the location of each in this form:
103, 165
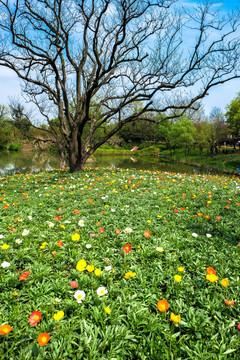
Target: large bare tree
88, 62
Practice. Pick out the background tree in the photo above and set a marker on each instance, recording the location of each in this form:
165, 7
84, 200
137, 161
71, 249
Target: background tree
218, 120
233, 118
182, 134
108, 54
8, 132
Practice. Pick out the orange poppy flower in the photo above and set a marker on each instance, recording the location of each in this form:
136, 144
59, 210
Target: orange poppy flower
34, 318
59, 243
147, 234
210, 270
5, 329
43, 339
229, 302
162, 305
225, 282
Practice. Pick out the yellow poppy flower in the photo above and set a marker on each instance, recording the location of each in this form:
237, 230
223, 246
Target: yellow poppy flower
81, 265
59, 315
97, 272
175, 318
5, 246
90, 268
211, 277
75, 237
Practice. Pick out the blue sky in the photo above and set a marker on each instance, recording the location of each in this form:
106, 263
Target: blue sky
218, 96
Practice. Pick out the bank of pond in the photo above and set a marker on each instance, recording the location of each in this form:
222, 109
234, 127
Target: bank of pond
31, 161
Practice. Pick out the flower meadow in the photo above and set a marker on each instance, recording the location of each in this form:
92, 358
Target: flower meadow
119, 264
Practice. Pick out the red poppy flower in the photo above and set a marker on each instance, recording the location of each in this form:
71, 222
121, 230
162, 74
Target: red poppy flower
127, 248
118, 231
59, 243
176, 211
24, 275
218, 218
58, 217
6, 206
34, 318
238, 326
73, 284
229, 302
43, 339
101, 230
147, 234
210, 270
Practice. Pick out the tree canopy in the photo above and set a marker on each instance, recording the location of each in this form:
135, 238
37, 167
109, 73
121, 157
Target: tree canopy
233, 117
88, 62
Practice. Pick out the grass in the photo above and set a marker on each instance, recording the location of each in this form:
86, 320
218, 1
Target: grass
169, 222
150, 150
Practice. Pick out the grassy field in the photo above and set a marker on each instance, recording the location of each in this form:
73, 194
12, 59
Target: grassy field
114, 264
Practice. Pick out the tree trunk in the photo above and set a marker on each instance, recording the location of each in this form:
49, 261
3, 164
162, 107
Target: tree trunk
63, 161
77, 155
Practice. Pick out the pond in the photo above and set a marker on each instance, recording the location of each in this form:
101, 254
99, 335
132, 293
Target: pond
29, 161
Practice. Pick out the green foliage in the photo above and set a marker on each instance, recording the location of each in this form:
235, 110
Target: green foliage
192, 224
233, 117
15, 146
138, 131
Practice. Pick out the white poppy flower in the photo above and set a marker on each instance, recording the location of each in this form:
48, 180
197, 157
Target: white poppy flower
81, 223
5, 264
79, 295
101, 291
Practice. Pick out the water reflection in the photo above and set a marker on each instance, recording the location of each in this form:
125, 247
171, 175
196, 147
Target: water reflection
143, 163
20, 162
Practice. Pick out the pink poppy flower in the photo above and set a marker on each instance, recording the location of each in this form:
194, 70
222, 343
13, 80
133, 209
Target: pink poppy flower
73, 284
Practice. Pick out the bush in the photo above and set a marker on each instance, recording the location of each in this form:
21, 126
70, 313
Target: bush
15, 147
